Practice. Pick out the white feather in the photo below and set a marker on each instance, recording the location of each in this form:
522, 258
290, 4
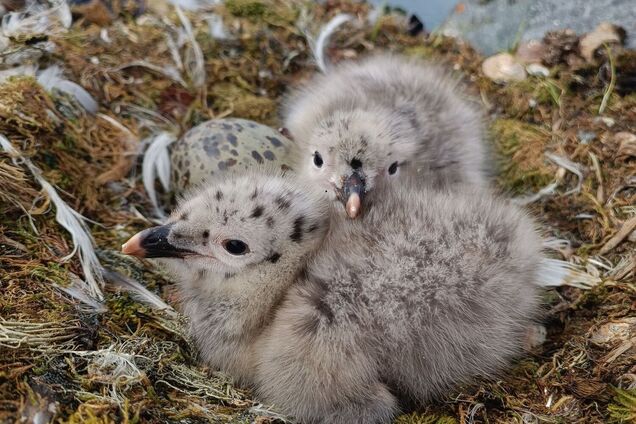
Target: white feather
556, 244
27, 70
195, 65
103, 34
194, 5
51, 78
167, 71
72, 221
555, 273
545, 191
148, 118
139, 292
574, 168
64, 13
156, 163
216, 27
77, 291
5, 42
131, 137
174, 51
318, 48
38, 19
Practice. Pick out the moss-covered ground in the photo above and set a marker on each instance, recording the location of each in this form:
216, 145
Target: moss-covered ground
130, 363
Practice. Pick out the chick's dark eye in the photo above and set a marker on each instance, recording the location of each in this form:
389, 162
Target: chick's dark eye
393, 168
235, 247
318, 160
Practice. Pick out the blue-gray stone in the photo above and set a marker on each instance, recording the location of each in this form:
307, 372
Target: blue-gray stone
492, 26
497, 25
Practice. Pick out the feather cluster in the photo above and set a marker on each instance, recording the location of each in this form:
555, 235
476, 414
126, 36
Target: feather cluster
72, 221
156, 163
52, 79
555, 273
38, 19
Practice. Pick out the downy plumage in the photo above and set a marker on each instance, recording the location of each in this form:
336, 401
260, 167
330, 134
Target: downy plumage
349, 320
372, 120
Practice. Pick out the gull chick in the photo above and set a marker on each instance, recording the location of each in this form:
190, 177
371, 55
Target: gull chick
350, 320
367, 122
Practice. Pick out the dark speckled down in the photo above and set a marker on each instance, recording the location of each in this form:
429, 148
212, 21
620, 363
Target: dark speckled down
223, 144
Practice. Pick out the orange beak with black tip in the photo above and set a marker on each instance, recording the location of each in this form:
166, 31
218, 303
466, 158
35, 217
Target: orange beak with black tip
352, 194
153, 243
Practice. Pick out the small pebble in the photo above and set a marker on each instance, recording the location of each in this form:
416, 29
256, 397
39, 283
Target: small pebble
537, 70
604, 33
503, 67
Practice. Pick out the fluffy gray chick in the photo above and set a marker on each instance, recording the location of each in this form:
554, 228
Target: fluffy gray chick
376, 118
235, 249
435, 293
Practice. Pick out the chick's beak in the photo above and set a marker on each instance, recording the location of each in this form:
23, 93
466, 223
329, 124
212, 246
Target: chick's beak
153, 243
353, 191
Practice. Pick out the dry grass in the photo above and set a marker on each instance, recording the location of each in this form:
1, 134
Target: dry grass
133, 364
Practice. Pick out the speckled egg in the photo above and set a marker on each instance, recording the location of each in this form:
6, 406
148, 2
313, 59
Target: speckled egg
225, 144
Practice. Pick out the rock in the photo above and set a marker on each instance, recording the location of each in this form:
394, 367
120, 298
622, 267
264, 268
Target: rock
605, 33
503, 67
537, 70
619, 330
530, 52
225, 144
495, 25
626, 144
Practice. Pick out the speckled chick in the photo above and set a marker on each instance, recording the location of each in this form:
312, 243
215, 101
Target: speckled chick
377, 118
423, 297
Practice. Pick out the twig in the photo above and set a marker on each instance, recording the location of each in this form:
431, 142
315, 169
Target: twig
625, 230
610, 87
600, 193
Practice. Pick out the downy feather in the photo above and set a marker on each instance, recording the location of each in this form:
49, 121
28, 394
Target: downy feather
72, 221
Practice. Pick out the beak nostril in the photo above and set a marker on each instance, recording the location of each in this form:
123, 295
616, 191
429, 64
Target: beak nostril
356, 163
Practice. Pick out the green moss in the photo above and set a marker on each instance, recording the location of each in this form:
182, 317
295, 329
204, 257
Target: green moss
51, 272
244, 104
623, 406
425, 419
273, 12
520, 147
124, 308
421, 51
246, 8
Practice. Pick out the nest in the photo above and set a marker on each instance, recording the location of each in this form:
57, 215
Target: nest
126, 361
